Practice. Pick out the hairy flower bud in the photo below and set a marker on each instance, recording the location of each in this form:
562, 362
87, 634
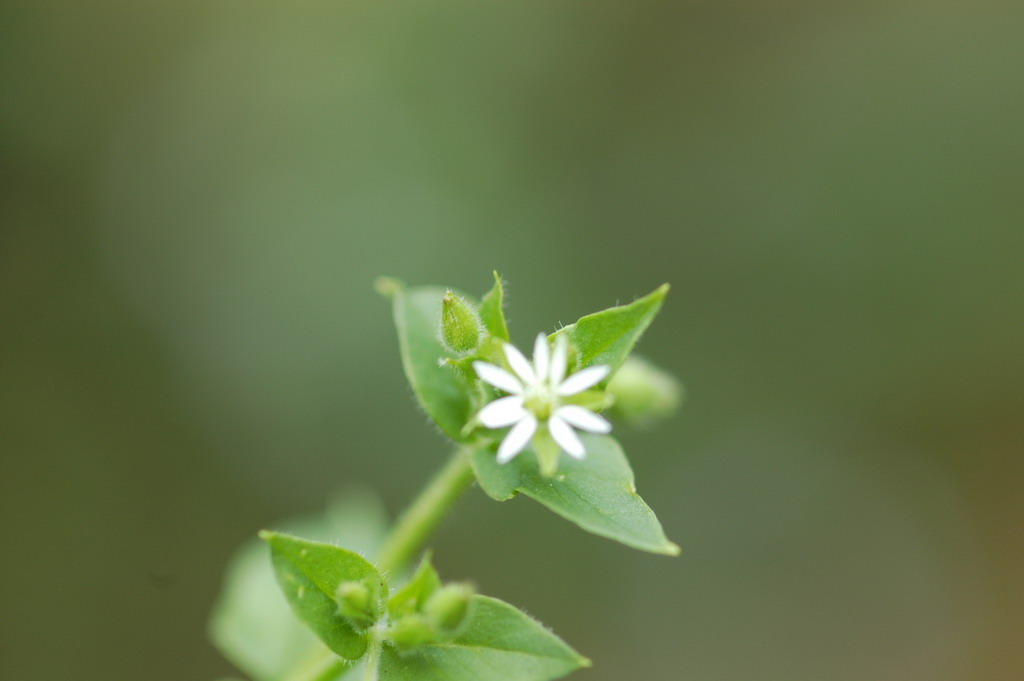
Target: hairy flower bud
358, 602
448, 606
643, 393
411, 631
461, 329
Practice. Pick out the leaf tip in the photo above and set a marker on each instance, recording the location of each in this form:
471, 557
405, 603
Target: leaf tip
671, 549
266, 535
389, 287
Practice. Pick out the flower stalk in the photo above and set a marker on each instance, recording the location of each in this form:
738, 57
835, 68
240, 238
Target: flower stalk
426, 512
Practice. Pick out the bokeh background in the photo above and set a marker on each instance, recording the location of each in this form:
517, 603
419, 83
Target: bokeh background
196, 198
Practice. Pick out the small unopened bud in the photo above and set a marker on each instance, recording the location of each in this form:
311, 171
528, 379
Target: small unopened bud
643, 393
411, 631
448, 606
461, 330
357, 602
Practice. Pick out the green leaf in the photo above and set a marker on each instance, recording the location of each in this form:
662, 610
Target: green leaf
597, 493
497, 643
608, 336
309, 574
492, 311
252, 624
441, 391
414, 593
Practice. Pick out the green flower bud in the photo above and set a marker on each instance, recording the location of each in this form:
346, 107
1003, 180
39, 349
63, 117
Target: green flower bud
411, 631
358, 602
461, 329
448, 606
643, 393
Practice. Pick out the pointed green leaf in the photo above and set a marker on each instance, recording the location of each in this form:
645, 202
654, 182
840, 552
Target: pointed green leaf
497, 643
608, 336
597, 493
441, 391
252, 624
414, 593
309, 574
492, 310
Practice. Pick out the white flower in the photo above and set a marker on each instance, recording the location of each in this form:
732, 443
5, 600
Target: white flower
536, 393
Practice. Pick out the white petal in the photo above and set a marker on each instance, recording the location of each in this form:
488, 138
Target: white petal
559, 359
520, 365
584, 419
498, 377
503, 412
517, 438
581, 380
565, 436
541, 350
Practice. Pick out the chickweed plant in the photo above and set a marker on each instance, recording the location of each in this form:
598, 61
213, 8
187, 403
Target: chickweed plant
353, 605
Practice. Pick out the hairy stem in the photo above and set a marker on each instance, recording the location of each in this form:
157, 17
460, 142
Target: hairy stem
426, 511
372, 661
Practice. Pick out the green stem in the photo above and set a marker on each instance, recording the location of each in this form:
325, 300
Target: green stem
372, 661
426, 512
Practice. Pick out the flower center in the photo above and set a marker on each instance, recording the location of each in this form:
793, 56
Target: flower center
541, 400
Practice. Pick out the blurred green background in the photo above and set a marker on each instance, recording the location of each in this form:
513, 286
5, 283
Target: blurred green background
196, 198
